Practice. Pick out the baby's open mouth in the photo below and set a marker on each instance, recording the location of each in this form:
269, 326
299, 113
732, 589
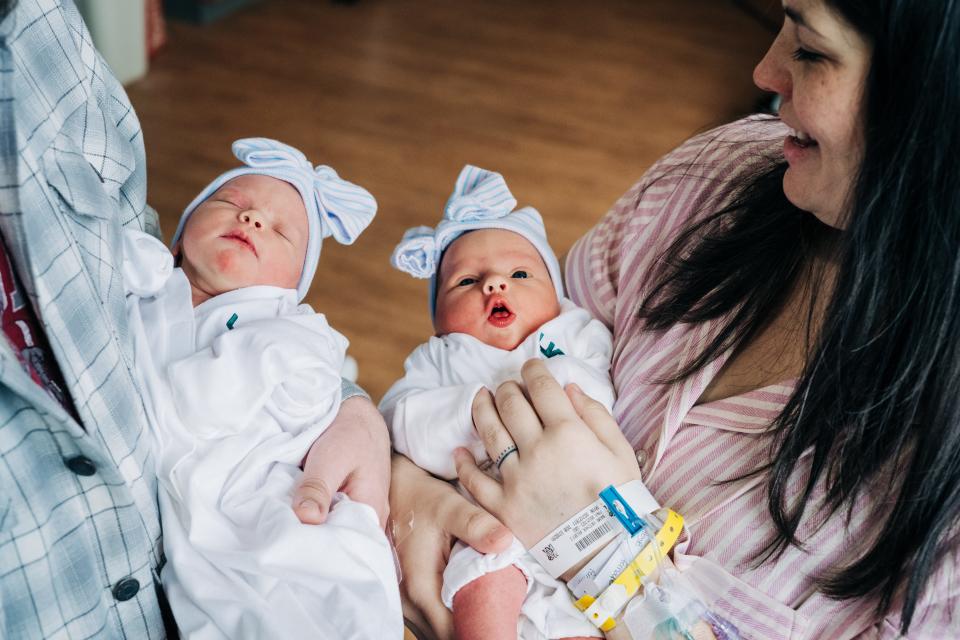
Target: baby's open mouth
499, 313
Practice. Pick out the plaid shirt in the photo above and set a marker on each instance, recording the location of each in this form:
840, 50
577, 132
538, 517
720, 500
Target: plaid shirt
79, 524
80, 545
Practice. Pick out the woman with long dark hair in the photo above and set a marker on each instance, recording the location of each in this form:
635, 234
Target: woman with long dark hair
785, 300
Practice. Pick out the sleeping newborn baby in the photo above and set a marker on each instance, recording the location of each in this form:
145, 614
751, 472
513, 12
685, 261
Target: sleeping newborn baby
239, 380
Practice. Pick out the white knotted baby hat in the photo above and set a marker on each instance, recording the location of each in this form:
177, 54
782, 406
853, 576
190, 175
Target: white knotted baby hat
335, 207
480, 200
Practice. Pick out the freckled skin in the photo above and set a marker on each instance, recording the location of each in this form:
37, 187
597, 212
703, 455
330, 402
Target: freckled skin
823, 99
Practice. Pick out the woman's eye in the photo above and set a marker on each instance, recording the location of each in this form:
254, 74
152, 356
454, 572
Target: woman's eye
466, 282
519, 274
805, 55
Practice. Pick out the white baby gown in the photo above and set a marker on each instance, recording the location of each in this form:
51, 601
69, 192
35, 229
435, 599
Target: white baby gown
237, 390
429, 415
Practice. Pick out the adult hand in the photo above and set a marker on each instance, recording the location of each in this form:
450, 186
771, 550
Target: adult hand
352, 456
568, 449
427, 515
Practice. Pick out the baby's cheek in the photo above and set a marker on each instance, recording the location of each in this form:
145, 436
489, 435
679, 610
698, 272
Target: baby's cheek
455, 318
282, 275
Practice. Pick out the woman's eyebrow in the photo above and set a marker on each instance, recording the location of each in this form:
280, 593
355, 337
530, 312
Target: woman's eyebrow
798, 19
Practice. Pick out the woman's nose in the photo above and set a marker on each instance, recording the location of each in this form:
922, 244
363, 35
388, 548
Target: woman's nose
771, 73
494, 284
251, 217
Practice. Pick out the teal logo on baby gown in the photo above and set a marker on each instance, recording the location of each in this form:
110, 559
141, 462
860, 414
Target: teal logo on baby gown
550, 350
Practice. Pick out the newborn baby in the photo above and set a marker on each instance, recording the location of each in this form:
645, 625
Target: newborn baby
239, 380
497, 300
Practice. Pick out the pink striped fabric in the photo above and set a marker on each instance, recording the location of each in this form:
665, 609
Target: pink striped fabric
686, 450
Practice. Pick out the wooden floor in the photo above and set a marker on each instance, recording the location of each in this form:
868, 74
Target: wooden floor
570, 100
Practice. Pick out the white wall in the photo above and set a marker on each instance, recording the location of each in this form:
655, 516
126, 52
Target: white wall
119, 32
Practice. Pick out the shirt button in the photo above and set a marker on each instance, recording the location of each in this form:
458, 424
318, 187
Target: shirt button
126, 589
81, 465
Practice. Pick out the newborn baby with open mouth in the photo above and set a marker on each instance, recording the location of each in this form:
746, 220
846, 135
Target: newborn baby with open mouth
497, 300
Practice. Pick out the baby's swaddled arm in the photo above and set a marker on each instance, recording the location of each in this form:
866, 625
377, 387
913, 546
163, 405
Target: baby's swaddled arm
285, 366
147, 264
587, 364
428, 419
594, 382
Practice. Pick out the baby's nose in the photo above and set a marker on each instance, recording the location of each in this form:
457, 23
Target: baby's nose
493, 284
252, 218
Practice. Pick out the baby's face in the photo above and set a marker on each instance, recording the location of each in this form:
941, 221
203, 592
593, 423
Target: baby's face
494, 286
251, 231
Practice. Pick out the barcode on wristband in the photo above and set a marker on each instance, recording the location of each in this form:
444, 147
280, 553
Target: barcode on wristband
595, 535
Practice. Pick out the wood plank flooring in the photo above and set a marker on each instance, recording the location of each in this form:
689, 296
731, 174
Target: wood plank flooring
570, 100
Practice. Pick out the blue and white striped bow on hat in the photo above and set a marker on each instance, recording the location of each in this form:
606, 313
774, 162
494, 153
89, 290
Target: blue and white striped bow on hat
334, 206
480, 200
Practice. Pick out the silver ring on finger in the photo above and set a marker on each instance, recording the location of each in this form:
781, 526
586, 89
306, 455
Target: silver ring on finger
505, 454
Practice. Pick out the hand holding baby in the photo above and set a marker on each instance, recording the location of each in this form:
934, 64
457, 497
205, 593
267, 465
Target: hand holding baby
549, 429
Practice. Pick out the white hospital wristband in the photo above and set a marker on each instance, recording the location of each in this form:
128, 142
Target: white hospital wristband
591, 528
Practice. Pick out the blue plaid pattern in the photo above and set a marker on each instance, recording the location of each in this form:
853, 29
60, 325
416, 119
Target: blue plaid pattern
79, 524
80, 548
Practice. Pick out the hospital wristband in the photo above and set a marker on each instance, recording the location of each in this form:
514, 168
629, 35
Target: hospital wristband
600, 572
590, 529
601, 610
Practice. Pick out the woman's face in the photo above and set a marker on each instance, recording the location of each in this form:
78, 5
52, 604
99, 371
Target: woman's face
818, 64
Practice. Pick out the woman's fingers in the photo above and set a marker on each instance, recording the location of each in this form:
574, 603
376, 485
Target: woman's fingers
416, 502
517, 415
424, 598
415, 622
474, 526
600, 421
563, 459
485, 490
495, 437
425, 515
547, 396
428, 553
